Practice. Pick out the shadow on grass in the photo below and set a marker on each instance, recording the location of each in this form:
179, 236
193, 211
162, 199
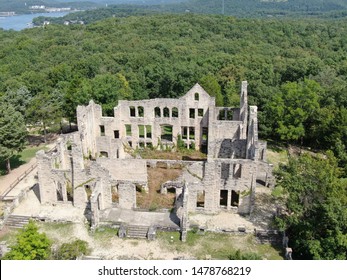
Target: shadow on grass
276, 146
15, 162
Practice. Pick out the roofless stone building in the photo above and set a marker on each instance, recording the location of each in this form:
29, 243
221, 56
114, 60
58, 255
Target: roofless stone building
92, 166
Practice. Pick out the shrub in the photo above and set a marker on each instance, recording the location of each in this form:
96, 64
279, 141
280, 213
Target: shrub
237, 255
72, 250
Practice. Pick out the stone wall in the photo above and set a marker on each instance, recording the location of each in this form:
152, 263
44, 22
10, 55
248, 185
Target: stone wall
145, 122
127, 195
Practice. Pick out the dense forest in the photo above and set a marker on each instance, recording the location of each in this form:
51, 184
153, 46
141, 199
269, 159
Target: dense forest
287, 63
237, 8
296, 69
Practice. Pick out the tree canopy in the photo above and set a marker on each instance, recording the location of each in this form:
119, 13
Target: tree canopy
13, 133
316, 222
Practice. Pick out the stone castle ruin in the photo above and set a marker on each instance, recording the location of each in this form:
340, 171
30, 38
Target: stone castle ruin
92, 167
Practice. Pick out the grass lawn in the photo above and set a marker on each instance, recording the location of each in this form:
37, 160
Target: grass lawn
23, 157
277, 157
218, 246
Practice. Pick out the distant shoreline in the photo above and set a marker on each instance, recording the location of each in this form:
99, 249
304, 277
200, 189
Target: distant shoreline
22, 21
7, 14
50, 11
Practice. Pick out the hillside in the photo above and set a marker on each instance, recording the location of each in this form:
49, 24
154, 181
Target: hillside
238, 8
287, 62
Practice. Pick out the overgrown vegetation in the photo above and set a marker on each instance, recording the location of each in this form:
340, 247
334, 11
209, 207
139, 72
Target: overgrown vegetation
30, 245
72, 250
154, 200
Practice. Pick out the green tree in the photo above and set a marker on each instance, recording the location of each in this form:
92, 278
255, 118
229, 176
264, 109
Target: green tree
30, 245
210, 84
13, 133
293, 107
232, 96
19, 99
45, 109
316, 222
72, 250
107, 89
78, 93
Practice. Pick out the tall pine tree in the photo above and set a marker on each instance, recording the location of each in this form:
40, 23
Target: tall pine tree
13, 133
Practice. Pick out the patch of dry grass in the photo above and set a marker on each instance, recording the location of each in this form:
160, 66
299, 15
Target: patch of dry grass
172, 155
277, 157
154, 199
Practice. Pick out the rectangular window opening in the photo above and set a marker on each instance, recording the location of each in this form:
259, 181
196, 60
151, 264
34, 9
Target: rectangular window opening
114, 191
200, 199
148, 131
60, 196
230, 115
116, 134
235, 198
103, 154
184, 132
102, 130
132, 111
192, 113
200, 112
128, 130
166, 133
141, 131
221, 115
223, 200
192, 133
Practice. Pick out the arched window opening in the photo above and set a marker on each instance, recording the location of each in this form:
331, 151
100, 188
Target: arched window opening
157, 112
174, 112
166, 112
196, 96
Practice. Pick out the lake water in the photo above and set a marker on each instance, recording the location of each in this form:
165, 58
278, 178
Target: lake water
21, 21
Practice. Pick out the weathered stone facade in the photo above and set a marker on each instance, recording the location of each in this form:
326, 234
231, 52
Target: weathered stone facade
92, 165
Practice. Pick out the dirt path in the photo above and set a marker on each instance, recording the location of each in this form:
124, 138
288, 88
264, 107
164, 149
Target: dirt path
29, 180
7, 180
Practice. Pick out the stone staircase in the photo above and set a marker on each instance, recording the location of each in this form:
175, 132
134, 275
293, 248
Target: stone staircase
17, 221
134, 231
